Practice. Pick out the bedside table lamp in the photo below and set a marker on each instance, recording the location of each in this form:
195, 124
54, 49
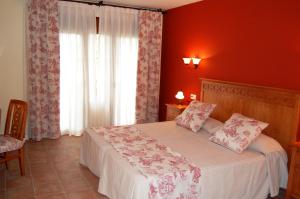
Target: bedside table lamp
179, 96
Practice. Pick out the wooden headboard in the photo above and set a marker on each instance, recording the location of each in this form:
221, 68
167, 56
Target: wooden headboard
278, 107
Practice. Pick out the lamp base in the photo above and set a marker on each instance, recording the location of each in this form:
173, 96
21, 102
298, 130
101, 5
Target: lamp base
179, 101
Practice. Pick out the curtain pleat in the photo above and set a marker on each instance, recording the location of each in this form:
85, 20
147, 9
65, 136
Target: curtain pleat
78, 99
149, 65
118, 47
43, 68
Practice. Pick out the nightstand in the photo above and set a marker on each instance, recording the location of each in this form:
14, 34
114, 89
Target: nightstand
173, 110
293, 189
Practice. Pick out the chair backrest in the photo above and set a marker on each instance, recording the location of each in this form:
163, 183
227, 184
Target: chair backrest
16, 119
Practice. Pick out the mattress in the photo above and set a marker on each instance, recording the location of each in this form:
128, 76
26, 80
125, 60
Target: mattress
224, 174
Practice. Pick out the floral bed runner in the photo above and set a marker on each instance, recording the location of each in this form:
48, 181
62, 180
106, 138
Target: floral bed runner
170, 174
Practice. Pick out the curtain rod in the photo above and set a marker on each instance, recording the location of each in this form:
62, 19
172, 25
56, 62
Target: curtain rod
101, 3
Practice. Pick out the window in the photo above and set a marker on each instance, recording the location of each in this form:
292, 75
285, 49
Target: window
98, 81
98, 66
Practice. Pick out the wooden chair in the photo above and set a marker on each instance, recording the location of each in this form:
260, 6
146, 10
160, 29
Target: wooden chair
11, 143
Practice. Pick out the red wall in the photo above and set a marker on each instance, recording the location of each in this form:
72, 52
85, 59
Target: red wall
248, 41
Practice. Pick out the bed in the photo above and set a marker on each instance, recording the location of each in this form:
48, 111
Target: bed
224, 174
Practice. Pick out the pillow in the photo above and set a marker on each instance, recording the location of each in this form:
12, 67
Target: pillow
265, 144
238, 132
195, 115
212, 125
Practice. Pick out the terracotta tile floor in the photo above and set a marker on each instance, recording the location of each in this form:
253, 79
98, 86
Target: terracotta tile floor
52, 172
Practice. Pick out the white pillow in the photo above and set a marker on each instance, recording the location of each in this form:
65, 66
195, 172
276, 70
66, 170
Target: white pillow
265, 144
238, 132
212, 125
195, 115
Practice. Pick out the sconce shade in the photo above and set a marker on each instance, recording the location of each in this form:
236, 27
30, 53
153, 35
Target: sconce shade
196, 61
179, 95
187, 60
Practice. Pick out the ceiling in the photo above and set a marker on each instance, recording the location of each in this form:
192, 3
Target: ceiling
162, 4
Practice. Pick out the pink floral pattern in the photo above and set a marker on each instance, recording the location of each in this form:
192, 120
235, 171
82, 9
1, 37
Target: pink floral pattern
194, 116
8, 143
169, 173
238, 132
43, 68
149, 61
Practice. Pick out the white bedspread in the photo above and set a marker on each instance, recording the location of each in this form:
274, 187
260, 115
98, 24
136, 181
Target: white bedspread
225, 174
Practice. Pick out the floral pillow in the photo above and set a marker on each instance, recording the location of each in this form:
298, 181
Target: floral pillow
238, 132
194, 116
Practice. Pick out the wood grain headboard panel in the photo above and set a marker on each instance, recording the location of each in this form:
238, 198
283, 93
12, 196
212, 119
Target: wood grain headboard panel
278, 107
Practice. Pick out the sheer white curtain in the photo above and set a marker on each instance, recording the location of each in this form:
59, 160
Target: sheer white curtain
98, 71
77, 23
118, 46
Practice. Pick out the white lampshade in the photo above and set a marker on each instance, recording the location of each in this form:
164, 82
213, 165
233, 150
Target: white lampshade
196, 61
179, 95
187, 60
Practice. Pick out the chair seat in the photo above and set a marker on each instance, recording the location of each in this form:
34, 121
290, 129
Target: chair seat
8, 143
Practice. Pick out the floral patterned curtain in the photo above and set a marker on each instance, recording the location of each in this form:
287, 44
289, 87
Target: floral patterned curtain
43, 68
149, 61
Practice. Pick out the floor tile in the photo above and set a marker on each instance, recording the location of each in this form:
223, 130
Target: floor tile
90, 177
67, 165
48, 188
15, 183
24, 193
41, 168
82, 195
45, 178
53, 196
74, 181
34, 146
38, 157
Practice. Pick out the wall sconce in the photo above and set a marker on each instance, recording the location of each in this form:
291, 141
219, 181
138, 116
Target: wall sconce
196, 61
179, 96
187, 60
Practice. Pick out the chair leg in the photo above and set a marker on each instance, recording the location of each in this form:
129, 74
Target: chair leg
6, 165
21, 161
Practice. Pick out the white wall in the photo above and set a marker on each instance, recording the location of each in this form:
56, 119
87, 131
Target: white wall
12, 54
